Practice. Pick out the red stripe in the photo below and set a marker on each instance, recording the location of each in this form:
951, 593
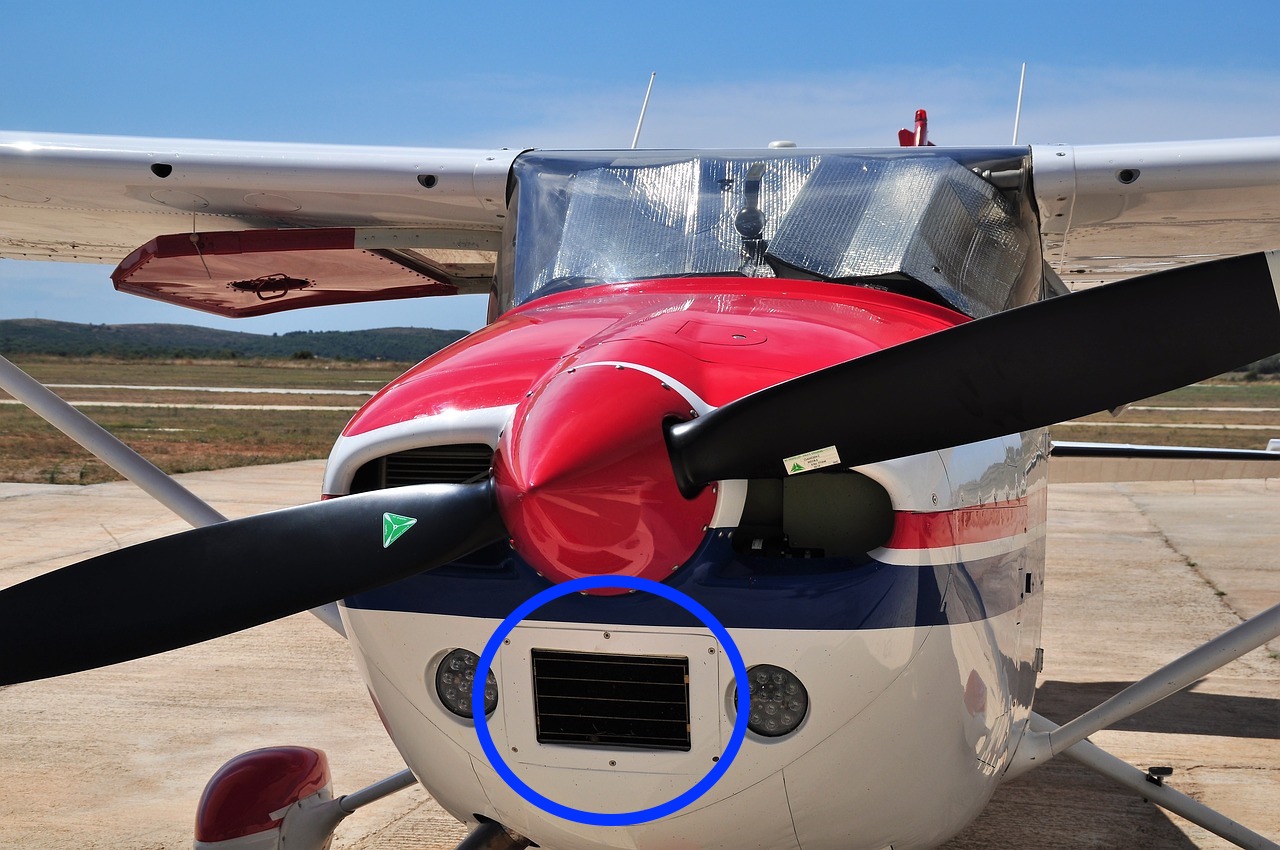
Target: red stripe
956, 528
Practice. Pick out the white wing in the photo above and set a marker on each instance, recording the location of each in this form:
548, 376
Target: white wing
1107, 211
421, 221
1116, 211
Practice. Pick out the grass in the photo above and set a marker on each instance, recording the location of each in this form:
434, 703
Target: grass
1262, 395
185, 439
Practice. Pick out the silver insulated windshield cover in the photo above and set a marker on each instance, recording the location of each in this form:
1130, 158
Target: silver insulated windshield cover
922, 223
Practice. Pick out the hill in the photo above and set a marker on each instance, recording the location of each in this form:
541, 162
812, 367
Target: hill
69, 339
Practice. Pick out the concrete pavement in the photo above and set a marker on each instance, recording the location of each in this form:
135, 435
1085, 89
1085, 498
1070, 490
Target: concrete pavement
116, 758
1138, 574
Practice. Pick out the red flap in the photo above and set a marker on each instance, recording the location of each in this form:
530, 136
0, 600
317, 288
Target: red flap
255, 272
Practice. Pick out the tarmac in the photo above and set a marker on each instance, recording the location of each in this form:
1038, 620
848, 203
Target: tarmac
1137, 575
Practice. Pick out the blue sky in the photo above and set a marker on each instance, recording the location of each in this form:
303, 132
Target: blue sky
573, 75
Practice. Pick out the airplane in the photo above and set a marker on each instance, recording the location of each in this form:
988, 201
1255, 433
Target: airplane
746, 428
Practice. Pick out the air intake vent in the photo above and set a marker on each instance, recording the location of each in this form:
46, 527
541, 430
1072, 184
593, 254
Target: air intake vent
439, 465
614, 701
429, 465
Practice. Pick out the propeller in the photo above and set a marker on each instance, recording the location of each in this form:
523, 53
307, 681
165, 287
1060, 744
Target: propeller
1013, 371
1010, 372
221, 578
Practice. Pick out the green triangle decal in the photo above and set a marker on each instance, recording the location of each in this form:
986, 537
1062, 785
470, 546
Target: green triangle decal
393, 526
795, 467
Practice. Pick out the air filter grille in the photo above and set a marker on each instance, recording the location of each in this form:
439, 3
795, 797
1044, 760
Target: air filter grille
599, 700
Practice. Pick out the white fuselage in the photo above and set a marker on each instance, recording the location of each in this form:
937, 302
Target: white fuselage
909, 728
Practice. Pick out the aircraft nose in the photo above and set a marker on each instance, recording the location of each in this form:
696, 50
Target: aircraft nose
584, 481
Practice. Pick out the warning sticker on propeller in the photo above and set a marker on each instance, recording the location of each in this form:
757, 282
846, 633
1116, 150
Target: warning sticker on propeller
816, 459
394, 525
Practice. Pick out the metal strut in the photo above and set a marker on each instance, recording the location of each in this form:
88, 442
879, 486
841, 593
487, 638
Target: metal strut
96, 439
310, 827
1169, 679
1045, 739
114, 453
1117, 770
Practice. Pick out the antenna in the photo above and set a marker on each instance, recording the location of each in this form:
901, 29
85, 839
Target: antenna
635, 140
1017, 115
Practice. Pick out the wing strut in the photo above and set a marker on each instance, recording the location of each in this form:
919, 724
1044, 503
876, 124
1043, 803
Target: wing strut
1169, 679
1045, 740
1099, 760
110, 450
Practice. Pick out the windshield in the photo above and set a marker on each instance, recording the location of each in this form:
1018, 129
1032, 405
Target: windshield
921, 223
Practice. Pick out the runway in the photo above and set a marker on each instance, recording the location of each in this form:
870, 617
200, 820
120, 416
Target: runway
1137, 574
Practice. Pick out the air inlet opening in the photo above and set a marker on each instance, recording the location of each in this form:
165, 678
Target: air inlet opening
161, 169
455, 464
819, 515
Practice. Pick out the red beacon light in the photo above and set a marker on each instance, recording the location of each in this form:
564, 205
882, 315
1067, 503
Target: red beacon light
918, 138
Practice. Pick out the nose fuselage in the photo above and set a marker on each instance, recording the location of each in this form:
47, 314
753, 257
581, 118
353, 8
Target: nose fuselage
903, 597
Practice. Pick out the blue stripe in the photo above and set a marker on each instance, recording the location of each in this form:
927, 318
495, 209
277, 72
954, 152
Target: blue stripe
750, 593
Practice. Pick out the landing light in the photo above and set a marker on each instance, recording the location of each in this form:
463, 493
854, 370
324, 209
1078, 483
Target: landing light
456, 676
779, 701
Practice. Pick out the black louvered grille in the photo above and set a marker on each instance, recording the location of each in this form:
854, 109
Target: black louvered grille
611, 700
437, 465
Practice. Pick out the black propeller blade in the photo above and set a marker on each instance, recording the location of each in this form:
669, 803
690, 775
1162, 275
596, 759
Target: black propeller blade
1026, 368
221, 578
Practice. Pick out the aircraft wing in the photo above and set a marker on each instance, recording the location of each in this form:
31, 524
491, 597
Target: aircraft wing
406, 222
1115, 211
381, 222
